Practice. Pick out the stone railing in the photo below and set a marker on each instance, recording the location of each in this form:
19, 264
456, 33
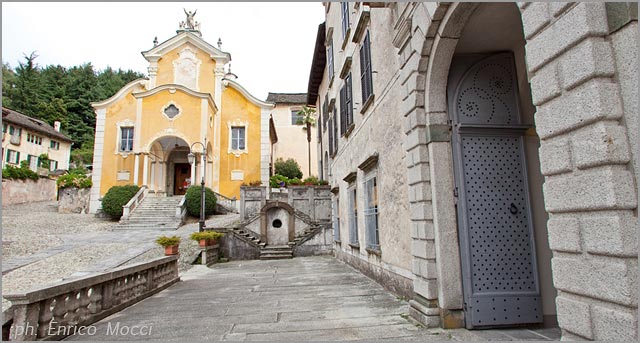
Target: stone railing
228, 203
133, 203
181, 209
54, 312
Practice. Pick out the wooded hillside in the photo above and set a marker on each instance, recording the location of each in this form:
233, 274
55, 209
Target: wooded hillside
62, 93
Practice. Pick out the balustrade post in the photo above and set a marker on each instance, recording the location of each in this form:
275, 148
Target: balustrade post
95, 303
107, 294
25, 322
44, 320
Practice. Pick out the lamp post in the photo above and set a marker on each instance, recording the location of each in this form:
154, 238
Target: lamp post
192, 159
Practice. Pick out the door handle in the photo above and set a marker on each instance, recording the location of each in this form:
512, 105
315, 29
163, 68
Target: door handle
513, 208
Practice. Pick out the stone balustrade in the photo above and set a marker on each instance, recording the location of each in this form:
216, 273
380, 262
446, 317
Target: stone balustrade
54, 312
133, 203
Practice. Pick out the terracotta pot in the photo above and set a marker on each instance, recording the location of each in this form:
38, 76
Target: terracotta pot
171, 250
206, 242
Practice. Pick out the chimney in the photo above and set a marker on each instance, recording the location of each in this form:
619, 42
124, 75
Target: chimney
56, 126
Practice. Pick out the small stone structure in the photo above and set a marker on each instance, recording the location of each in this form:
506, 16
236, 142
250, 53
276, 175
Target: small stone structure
298, 220
73, 200
26, 191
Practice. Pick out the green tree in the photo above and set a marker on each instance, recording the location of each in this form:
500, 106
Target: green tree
27, 93
8, 85
308, 120
289, 168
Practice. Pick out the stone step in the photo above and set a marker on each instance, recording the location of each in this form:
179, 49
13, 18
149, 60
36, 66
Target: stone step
274, 257
277, 248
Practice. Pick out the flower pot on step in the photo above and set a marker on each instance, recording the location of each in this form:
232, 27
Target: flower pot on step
171, 250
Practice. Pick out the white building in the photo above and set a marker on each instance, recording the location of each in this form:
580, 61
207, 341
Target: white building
26, 138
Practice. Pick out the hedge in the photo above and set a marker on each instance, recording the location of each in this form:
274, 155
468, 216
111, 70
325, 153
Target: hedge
116, 197
192, 200
22, 173
76, 180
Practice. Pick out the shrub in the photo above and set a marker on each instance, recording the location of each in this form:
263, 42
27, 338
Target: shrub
22, 173
192, 200
196, 236
289, 168
74, 180
116, 197
166, 241
311, 181
295, 182
44, 161
275, 181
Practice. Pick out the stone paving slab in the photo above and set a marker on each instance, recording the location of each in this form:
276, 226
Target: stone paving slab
265, 301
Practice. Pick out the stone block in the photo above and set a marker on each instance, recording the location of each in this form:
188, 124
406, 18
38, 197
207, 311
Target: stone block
556, 8
608, 187
422, 229
420, 192
614, 325
418, 173
591, 58
415, 137
417, 154
545, 85
609, 279
592, 101
421, 210
555, 156
534, 18
425, 268
574, 316
613, 233
599, 144
426, 288
424, 249
564, 233
586, 19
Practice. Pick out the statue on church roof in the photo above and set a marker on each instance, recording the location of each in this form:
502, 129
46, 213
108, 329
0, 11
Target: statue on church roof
190, 22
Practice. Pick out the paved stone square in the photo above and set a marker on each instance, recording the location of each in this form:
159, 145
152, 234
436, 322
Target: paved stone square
41, 246
301, 299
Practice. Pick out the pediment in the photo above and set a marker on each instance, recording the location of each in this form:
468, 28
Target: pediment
163, 48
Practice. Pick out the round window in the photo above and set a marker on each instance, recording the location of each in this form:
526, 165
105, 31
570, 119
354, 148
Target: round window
277, 223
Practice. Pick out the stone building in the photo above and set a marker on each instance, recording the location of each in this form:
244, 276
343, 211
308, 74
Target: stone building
483, 158
292, 135
25, 138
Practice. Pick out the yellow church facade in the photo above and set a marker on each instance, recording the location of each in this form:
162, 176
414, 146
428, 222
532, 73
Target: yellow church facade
189, 102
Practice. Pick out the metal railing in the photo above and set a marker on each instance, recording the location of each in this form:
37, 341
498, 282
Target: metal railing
51, 313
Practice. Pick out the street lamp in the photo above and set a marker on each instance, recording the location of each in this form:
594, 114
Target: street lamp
192, 159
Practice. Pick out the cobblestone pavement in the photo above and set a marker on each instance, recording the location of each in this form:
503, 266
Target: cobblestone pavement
302, 299
42, 247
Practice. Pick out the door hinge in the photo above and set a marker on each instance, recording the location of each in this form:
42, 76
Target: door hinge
464, 307
455, 192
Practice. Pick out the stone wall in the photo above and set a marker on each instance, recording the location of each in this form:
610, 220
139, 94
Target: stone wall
583, 75
236, 249
74, 200
26, 191
252, 199
314, 201
320, 244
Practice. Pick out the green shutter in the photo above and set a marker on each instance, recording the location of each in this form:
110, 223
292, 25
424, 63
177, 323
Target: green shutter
17, 157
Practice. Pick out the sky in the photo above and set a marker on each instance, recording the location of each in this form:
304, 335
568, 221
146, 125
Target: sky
271, 44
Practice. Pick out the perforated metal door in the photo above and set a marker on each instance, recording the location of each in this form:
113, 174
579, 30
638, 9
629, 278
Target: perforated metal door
494, 217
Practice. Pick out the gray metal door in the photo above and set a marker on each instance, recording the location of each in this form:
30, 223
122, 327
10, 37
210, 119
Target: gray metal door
500, 279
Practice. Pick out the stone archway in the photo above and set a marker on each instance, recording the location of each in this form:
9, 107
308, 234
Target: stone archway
430, 42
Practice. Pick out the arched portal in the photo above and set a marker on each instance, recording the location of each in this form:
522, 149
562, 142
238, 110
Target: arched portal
465, 35
170, 171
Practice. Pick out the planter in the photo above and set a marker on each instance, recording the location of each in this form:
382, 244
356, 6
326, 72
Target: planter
206, 242
171, 250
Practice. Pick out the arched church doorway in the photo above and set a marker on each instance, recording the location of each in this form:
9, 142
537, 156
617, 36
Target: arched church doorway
504, 252
172, 173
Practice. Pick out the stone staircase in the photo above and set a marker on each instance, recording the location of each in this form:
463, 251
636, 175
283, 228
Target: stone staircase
153, 213
273, 252
276, 252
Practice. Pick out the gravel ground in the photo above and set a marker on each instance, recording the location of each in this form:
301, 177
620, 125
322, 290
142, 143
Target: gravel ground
78, 244
29, 228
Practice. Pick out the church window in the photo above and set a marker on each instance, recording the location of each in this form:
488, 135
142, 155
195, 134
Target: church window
238, 138
171, 111
126, 139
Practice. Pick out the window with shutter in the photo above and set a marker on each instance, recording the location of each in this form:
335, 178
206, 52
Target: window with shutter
365, 69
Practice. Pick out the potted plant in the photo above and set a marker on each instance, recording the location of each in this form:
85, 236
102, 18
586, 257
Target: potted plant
206, 238
170, 244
